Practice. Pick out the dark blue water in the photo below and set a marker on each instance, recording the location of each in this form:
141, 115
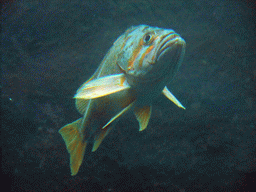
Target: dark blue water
50, 48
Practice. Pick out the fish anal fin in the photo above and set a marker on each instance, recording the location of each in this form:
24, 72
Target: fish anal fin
143, 115
102, 86
172, 98
74, 144
100, 136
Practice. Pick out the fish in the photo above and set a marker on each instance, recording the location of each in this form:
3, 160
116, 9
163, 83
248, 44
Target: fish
133, 74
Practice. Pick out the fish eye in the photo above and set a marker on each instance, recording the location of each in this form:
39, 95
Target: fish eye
147, 38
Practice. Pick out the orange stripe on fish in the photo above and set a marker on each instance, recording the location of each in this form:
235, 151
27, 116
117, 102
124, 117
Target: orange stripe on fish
144, 54
130, 30
122, 81
135, 54
154, 55
124, 43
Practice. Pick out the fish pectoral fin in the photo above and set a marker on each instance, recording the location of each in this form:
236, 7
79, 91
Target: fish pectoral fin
119, 114
102, 86
143, 115
172, 98
75, 144
100, 136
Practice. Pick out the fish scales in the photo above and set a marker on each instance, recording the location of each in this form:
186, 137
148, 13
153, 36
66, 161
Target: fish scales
133, 73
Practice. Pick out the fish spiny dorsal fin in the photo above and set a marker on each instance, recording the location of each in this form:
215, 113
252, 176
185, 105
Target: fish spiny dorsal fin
119, 114
143, 115
102, 86
100, 136
172, 98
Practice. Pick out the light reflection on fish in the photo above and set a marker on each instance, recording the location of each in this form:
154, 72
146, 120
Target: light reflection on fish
131, 76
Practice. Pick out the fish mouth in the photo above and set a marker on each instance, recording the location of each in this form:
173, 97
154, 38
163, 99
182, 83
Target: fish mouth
169, 41
168, 58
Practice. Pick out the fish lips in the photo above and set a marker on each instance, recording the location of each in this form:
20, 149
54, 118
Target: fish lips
169, 43
169, 57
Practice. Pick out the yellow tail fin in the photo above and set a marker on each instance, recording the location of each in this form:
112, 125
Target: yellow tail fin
75, 144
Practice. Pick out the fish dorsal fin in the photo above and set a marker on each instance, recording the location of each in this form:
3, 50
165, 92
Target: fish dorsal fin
143, 115
102, 86
172, 98
100, 136
119, 114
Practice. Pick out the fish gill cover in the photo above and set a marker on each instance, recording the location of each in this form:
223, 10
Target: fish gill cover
50, 48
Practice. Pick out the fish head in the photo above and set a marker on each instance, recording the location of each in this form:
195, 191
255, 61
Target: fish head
150, 54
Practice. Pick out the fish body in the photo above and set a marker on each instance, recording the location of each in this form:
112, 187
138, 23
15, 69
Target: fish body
133, 73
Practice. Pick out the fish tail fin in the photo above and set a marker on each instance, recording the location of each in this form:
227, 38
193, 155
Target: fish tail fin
75, 144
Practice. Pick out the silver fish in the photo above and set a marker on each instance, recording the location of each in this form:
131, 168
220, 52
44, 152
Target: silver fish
134, 72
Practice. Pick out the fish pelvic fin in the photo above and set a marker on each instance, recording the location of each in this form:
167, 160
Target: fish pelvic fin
107, 128
119, 114
74, 144
102, 86
143, 115
100, 136
172, 98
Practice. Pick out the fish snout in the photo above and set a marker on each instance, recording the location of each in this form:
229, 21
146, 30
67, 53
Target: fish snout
169, 42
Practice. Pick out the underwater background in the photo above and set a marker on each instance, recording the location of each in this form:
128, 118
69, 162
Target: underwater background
49, 48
